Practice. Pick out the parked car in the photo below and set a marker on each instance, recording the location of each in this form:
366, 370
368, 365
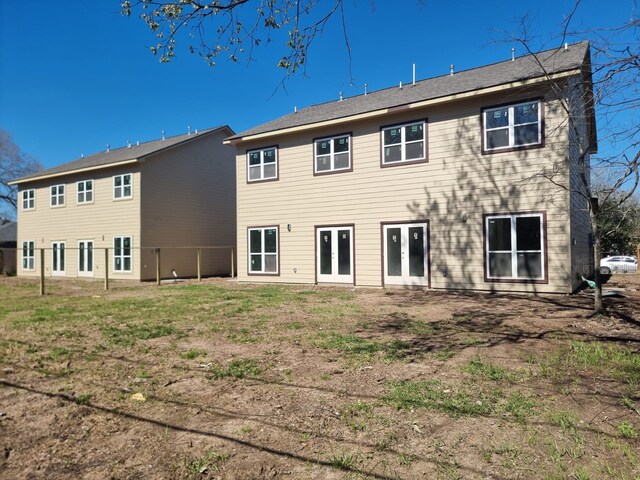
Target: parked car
618, 264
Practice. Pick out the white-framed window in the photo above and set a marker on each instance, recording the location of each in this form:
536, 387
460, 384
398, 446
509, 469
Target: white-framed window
28, 255
85, 191
263, 250
332, 154
57, 195
404, 143
512, 126
262, 164
122, 186
28, 199
122, 254
515, 246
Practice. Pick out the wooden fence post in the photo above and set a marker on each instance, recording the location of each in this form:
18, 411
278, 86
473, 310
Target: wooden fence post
106, 268
157, 266
42, 271
199, 261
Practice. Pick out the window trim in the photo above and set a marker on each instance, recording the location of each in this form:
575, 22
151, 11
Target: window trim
57, 195
261, 150
130, 256
30, 249
84, 192
349, 135
262, 228
511, 148
123, 197
425, 159
30, 200
485, 247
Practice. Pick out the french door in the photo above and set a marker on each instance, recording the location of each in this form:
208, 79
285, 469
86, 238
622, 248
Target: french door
57, 258
405, 254
334, 254
85, 258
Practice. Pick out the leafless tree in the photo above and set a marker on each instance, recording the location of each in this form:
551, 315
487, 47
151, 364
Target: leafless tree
608, 180
14, 163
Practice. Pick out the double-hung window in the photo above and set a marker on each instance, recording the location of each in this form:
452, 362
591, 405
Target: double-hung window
262, 164
122, 186
28, 255
85, 191
28, 199
263, 250
122, 254
57, 195
332, 154
512, 126
514, 246
404, 143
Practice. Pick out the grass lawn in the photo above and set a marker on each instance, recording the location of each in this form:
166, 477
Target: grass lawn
219, 380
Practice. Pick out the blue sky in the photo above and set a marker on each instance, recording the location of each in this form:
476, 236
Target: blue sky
76, 75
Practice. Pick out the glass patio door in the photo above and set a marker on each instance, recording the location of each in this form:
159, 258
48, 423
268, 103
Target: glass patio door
334, 254
57, 258
405, 254
85, 258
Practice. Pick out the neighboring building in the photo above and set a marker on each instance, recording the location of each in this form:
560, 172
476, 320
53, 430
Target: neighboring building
436, 184
170, 194
8, 242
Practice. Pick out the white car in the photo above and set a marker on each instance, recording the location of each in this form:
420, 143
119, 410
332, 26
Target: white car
618, 264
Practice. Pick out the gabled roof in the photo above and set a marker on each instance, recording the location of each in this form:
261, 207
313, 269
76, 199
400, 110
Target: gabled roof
555, 61
8, 232
119, 155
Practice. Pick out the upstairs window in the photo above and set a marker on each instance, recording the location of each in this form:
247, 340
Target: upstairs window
57, 195
512, 126
404, 143
515, 247
122, 186
28, 199
262, 164
332, 154
85, 191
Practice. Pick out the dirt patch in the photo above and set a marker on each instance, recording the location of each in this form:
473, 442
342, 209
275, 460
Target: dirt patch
218, 380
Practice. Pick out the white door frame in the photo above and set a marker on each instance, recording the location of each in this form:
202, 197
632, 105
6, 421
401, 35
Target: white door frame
58, 258
333, 231
83, 249
405, 278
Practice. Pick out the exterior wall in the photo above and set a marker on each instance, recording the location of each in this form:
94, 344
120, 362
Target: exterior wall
99, 221
452, 191
189, 200
579, 161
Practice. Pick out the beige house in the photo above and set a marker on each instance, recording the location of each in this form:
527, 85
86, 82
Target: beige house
175, 194
465, 181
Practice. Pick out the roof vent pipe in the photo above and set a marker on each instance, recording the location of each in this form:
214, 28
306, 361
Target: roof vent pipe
340, 95
365, 88
566, 46
82, 155
513, 54
163, 134
451, 67
137, 143
188, 129
128, 143
414, 74
196, 131
108, 147
295, 109
400, 85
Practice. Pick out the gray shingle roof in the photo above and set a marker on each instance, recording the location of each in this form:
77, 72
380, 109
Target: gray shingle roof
8, 232
120, 154
556, 60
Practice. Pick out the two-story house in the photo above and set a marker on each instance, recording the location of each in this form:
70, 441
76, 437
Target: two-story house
465, 181
174, 193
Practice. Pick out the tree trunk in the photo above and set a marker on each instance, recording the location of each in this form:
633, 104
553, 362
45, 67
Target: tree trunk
598, 305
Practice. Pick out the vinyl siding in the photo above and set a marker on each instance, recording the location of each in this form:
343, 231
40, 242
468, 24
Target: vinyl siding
189, 200
458, 179
99, 221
